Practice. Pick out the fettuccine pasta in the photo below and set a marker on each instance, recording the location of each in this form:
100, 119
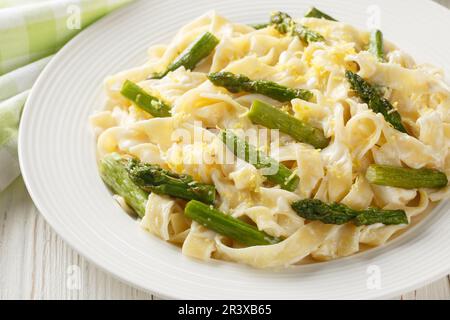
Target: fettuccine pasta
358, 137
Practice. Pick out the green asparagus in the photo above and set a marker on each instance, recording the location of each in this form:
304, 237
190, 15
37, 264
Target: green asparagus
145, 101
374, 100
259, 26
406, 178
287, 179
386, 217
284, 24
226, 225
316, 13
113, 170
336, 213
238, 83
273, 118
376, 44
152, 178
189, 58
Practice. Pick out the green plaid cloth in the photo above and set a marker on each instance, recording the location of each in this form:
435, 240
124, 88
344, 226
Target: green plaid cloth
30, 32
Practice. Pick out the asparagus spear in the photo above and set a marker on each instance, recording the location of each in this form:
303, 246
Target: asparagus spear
226, 225
374, 100
316, 13
336, 213
286, 25
287, 179
406, 178
145, 101
152, 178
376, 44
114, 173
273, 118
238, 82
387, 217
259, 26
189, 58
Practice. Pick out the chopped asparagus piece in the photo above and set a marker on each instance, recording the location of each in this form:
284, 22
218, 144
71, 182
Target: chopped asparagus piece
152, 178
237, 83
374, 100
145, 101
386, 217
196, 52
286, 25
316, 13
226, 225
336, 213
406, 178
307, 34
259, 26
282, 22
287, 179
376, 44
273, 118
114, 173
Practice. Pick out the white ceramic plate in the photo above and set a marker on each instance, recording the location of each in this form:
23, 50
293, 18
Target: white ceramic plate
57, 157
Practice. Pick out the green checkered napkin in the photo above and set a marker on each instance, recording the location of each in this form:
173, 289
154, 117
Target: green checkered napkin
30, 32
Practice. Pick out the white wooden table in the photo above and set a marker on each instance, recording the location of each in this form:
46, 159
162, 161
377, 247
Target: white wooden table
36, 264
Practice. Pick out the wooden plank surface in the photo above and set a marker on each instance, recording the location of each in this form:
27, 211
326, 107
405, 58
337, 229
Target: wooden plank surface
36, 264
